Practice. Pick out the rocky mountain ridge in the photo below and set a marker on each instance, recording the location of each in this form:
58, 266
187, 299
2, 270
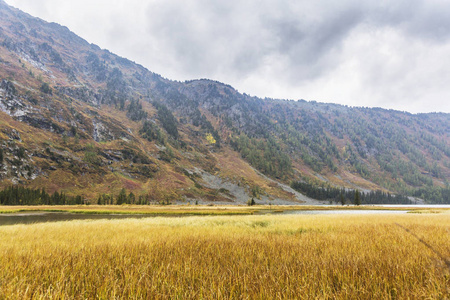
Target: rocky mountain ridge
79, 119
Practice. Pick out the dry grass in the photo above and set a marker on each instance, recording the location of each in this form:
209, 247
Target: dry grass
252, 257
202, 209
134, 209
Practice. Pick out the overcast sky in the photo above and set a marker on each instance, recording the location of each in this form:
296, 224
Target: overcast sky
381, 53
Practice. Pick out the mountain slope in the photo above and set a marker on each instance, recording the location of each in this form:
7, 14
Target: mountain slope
79, 119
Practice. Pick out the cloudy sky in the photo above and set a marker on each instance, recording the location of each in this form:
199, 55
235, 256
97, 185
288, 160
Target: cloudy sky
381, 53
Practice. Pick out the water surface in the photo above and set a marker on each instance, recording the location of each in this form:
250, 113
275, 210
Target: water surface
41, 217
343, 212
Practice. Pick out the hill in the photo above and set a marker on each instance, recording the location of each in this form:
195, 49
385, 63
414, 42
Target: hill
85, 122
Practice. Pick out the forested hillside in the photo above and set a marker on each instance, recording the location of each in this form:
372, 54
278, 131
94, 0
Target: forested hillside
83, 122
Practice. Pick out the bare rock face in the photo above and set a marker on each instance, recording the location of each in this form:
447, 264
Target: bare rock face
101, 132
9, 102
16, 163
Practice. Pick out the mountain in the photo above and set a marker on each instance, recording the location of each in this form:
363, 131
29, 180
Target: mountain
83, 121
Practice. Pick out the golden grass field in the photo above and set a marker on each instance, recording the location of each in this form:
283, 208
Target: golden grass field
230, 257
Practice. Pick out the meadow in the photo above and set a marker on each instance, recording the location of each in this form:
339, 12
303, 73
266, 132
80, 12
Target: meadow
395, 256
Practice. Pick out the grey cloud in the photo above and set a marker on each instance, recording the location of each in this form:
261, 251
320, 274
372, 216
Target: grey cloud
206, 36
431, 23
420, 19
314, 45
296, 42
365, 50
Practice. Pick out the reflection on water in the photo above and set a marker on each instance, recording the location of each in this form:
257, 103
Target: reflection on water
40, 217
342, 212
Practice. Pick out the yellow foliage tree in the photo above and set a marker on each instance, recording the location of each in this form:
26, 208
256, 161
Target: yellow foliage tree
211, 140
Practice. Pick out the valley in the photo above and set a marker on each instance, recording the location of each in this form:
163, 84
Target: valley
80, 120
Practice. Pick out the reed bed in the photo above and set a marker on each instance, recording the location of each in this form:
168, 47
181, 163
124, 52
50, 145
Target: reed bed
229, 257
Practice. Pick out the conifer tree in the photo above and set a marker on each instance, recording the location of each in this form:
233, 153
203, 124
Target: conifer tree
342, 199
122, 198
357, 198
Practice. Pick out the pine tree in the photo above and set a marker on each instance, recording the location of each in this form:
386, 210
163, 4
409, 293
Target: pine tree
122, 198
131, 198
357, 198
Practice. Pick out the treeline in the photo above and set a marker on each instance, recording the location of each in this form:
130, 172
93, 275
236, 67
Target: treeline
434, 195
344, 196
122, 198
131, 198
154, 196
19, 195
